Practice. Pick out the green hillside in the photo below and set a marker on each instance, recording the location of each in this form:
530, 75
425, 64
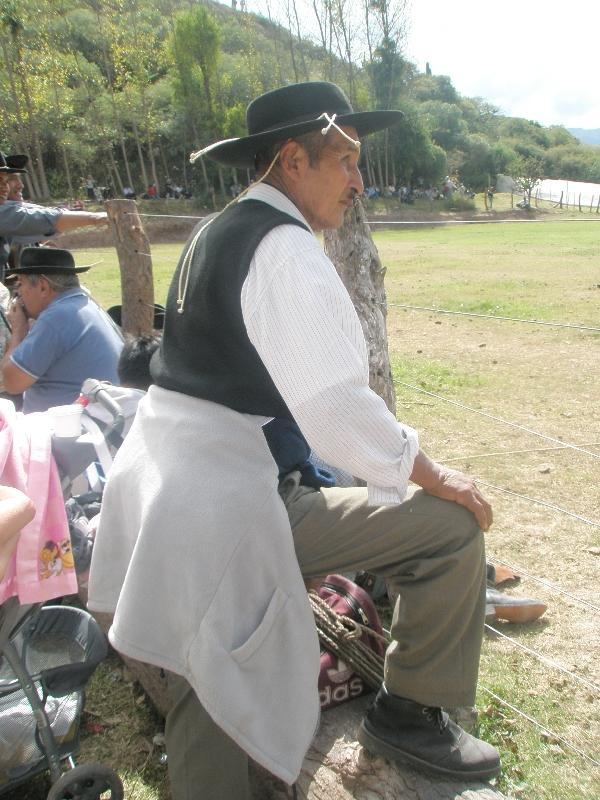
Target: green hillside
124, 90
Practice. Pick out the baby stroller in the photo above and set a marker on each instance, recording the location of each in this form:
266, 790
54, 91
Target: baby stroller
47, 655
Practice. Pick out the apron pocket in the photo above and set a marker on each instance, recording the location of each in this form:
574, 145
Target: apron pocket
254, 641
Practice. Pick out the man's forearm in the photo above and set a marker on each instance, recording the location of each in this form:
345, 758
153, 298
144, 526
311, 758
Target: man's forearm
426, 473
70, 220
16, 337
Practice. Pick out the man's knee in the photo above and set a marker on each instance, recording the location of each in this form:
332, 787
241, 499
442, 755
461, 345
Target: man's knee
463, 530
454, 526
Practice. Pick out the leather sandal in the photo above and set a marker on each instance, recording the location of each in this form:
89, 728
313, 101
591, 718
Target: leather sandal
500, 606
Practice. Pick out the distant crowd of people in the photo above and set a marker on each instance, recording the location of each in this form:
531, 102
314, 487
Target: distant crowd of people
407, 194
96, 193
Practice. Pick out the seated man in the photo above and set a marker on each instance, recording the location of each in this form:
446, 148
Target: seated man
229, 620
72, 339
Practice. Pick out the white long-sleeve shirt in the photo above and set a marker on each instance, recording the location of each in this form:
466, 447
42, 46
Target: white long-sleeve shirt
303, 324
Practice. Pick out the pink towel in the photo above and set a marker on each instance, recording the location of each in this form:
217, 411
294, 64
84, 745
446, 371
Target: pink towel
42, 567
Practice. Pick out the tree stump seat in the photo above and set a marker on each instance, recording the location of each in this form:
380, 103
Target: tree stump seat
336, 767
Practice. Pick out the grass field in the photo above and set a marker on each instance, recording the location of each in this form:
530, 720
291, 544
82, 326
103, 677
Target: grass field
540, 378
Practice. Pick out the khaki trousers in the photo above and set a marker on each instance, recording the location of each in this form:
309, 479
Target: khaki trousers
430, 551
204, 763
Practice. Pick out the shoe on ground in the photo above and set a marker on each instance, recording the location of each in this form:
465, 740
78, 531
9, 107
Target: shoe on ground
426, 738
500, 606
498, 575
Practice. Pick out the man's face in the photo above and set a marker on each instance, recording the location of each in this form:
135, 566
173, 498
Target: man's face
15, 188
34, 299
329, 187
4, 187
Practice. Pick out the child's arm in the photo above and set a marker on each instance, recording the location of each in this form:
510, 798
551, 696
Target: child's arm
16, 510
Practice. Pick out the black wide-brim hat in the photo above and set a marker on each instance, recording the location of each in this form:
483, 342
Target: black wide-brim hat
288, 112
116, 314
45, 261
13, 164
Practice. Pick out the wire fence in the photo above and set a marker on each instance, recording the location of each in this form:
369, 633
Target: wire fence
582, 449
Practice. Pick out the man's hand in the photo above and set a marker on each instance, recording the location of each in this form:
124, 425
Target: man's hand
17, 318
448, 484
14, 378
99, 218
461, 489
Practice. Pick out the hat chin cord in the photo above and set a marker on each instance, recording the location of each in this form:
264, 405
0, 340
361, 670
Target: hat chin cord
184, 275
331, 123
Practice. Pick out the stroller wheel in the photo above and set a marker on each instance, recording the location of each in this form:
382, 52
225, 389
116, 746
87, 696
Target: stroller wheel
87, 782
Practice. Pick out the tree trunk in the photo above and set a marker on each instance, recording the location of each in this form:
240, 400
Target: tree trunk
126, 161
135, 262
369, 165
207, 185
222, 182
184, 171
300, 43
353, 252
163, 161
386, 160
150, 144
141, 157
292, 53
379, 172
115, 169
67, 172
40, 164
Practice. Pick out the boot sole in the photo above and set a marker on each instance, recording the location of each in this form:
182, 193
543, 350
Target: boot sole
379, 747
518, 613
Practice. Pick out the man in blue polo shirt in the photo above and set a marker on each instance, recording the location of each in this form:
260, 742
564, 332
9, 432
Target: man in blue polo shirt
72, 338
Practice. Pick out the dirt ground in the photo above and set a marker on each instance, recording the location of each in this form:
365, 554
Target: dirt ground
546, 380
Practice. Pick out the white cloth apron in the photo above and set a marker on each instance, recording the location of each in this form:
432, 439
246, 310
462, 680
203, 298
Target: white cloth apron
195, 556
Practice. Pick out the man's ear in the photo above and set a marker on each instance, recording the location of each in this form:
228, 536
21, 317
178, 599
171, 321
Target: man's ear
293, 160
44, 284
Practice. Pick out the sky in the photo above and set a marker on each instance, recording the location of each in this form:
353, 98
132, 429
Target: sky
537, 59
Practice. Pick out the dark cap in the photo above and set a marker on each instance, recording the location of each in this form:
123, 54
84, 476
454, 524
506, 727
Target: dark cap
12, 164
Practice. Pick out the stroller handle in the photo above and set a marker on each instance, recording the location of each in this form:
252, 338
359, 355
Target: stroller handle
93, 389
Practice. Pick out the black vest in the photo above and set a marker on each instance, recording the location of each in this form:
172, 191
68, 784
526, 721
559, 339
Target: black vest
206, 352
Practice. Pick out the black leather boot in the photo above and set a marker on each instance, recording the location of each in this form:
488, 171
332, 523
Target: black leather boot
425, 737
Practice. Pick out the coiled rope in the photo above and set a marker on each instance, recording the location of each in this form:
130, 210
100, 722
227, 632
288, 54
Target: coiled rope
341, 635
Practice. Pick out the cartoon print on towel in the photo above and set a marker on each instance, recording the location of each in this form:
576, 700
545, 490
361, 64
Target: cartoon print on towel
66, 553
56, 557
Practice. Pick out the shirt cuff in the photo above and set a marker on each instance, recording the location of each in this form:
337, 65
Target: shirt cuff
394, 495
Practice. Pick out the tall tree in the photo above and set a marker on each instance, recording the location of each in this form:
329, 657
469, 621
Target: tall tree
193, 47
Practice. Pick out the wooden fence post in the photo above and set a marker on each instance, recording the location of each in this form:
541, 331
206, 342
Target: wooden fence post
135, 263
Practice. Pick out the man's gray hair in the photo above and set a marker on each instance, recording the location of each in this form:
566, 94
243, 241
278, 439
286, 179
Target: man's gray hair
59, 281
313, 142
